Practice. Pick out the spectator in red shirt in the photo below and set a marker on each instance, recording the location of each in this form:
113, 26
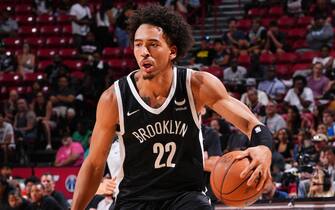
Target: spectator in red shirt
70, 154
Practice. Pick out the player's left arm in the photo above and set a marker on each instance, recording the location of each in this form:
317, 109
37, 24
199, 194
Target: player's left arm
209, 91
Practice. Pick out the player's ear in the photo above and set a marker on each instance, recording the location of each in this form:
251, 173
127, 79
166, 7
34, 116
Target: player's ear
173, 52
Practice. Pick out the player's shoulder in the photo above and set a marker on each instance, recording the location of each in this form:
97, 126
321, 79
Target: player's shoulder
109, 95
199, 78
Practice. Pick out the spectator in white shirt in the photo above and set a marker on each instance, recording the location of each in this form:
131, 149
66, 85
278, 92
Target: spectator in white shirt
262, 97
81, 21
300, 95
234, 72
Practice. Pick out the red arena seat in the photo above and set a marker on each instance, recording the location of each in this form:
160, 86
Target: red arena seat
12, 43
50, 30
267, 58
35, 42
112, 52
244, 24
45, 19
286, 58
46, 53
25, 20
68, 53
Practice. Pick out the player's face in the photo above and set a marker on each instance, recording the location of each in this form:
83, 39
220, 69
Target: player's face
152, 51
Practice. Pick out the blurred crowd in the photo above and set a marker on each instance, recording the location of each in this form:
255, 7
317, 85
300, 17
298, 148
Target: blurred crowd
297, 104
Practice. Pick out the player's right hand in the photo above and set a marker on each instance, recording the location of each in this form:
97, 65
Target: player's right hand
108, 186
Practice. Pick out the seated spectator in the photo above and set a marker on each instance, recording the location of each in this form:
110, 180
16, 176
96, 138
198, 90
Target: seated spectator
63, 6
17, 202
221, 54
55, 70
81, 22
49, 189
326, 59
89, 46
5, 188
321, 184
330, 95
6, 171
261, 95
28, 183
272, 120
43, 111
272, 86
234, 73
68, 124
257, 36
300, 95
82, 134
7, 143
96, 69
293, 120
320, 33
295, 7
8, 26
204, 55
328, 121
7, 61
62, 97
271, 192
104, 20
121, 24
41, 201
317, 81
284, 144
275, 39
323, 7
70, 154
10, 105
255, 106
25, 122
235, 38
42, 6
25, 61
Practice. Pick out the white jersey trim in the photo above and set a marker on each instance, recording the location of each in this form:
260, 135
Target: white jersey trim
120, 174
120, 107
167, 100
190, 98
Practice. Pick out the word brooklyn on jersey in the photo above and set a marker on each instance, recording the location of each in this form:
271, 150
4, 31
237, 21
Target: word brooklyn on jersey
164, 127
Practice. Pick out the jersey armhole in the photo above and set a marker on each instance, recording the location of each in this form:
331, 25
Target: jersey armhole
120, 108
195, 115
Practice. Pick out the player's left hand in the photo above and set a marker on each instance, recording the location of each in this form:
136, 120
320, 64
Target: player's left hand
260, 165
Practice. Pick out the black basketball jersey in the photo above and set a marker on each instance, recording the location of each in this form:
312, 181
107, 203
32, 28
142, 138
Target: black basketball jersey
161, 148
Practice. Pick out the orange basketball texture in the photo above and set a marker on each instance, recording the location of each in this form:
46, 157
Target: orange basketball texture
227, 185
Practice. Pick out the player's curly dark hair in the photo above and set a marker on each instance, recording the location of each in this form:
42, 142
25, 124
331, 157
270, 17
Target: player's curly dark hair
175, 28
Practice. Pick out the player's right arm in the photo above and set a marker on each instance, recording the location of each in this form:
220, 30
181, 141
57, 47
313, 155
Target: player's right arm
91, 171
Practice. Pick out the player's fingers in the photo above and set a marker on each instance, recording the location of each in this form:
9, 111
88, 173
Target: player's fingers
247, 170
255, 176
242, 155
263, 178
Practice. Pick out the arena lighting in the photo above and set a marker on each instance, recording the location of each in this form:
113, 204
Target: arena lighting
16, 77
8, 53
30, 18
17, 41
39, 77
34, 30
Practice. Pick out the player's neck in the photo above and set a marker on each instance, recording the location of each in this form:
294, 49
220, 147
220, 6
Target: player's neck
157, 88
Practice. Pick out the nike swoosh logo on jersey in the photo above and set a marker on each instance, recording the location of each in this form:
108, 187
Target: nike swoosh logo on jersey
180, 103
133, 112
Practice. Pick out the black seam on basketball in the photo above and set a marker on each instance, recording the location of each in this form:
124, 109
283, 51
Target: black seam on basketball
243, 199
225, 177
246, 179
214, 182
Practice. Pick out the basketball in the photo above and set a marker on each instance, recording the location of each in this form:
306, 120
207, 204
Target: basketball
227, 185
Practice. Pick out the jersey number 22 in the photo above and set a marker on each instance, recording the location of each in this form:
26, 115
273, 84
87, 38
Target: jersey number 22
161, 149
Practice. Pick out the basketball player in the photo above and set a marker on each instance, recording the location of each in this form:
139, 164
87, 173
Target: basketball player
154, 111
